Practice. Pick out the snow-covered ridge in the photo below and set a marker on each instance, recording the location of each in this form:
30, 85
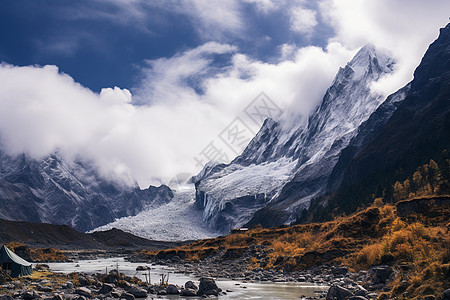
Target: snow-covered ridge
304, 152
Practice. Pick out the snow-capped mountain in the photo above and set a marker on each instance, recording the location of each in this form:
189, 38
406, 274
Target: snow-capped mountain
55, 191
287, 164
391, 149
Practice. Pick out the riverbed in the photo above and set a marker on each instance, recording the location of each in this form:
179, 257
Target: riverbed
234, 289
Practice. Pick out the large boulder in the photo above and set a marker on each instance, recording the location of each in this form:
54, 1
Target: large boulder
172, 290
106, 288
188, 292
190, 285
138, 292
337, 292
208, 287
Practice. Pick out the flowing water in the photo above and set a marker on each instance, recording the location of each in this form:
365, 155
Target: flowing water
236, 289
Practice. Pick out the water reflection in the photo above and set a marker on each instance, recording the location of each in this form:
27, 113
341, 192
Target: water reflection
234, 289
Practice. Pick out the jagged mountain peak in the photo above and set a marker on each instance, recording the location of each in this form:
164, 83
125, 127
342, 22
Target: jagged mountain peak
370, 59
304, 153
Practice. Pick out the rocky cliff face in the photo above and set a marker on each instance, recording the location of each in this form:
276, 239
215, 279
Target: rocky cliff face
417, 131
285, 165
54, 191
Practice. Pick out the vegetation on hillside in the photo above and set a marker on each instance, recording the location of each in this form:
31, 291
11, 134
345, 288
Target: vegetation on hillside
36, 254
419, 251
428, 179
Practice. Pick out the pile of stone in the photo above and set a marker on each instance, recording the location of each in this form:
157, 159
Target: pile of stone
102, 287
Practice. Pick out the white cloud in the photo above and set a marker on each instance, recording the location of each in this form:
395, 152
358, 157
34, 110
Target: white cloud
167, 79
303, 20
156, 133
212, 19
45, 111
403, 28
265, 6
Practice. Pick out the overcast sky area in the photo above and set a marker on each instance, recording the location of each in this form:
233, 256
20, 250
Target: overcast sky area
141, 88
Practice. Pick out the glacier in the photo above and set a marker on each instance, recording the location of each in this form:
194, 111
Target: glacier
177, 220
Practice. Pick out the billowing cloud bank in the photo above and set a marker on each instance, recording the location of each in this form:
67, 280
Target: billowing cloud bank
183, 102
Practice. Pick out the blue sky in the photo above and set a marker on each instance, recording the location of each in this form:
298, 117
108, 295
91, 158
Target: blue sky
104, 43
141, 87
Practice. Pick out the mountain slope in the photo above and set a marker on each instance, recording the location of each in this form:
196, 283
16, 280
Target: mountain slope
301, 154
416, 132
54, 191
64, 237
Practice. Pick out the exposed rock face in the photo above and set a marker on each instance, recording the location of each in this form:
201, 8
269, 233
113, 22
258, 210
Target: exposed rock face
54, 191
416, 132
285, 165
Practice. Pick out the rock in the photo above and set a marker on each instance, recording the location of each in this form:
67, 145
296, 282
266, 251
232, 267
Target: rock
57, 297
83, 291
45, 289
138, 292
361, 291
446, 294
29, 295
172, 290
357, 298
208, 287
340, 271
8, 286
372, 295
337, 292
188, 292
124, 284
115, 294
80, 298
68, 285
6, 297
106, 288
429, 297
381, 274
190, 285
127, 296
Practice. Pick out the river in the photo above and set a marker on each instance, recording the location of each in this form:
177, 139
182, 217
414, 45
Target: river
237, 289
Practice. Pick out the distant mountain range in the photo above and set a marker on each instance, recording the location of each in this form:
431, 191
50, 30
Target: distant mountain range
55, 191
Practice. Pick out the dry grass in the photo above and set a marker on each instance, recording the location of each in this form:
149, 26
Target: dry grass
367, 238
36, 254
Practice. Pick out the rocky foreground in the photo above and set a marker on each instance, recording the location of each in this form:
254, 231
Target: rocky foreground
344, 284
44, 284
364, 285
